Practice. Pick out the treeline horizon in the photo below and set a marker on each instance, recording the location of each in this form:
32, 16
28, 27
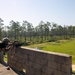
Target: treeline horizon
43, 32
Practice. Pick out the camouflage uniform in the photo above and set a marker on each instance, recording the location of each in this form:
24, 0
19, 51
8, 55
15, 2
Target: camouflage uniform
5, 40
1, 56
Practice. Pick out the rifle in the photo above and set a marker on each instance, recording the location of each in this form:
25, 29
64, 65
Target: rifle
6, 47
15, 44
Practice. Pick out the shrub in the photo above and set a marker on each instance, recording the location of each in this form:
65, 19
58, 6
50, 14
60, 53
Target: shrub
53, 39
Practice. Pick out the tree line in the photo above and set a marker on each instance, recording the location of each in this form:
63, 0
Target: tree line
43, 32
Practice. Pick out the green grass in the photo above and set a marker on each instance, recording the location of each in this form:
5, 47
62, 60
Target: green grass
5, 58
62, 46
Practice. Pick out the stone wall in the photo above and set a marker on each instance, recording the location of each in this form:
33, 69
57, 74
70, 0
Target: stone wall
38, 62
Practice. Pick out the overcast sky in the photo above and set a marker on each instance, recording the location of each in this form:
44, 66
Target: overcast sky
58, 11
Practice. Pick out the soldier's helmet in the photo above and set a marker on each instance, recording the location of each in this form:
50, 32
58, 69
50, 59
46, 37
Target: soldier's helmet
6, 40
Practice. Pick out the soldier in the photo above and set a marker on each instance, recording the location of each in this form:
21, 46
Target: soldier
3, 46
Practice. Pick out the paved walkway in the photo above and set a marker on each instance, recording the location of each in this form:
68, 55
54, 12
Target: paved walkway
73, 67
4, 71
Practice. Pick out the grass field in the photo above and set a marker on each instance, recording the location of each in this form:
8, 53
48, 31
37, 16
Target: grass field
5, 58
61, 46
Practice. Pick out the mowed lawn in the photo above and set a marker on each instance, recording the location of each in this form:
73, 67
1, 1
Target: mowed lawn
62, 46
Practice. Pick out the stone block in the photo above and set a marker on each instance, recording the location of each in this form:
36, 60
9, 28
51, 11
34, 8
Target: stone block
37, 66
38, 62
66, 68
50, 57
